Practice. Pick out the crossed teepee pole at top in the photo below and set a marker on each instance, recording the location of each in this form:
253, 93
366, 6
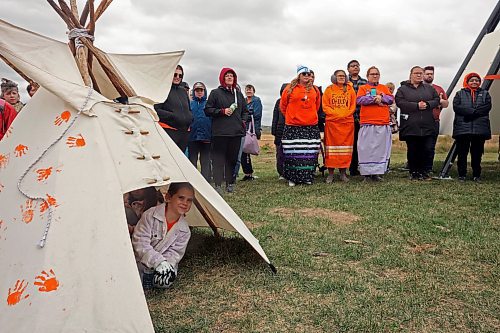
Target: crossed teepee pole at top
81, 31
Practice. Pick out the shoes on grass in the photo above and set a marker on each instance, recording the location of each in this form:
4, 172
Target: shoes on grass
247, 177
290, 183
219, 190
230, 188
329, 178
477, 179
461, 178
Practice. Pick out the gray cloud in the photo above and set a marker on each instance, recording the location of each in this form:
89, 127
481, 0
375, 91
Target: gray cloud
264, 40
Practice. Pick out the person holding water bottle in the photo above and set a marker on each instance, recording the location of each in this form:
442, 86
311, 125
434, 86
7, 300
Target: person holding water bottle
374, 138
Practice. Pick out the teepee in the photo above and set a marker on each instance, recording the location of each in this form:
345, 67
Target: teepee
65, 255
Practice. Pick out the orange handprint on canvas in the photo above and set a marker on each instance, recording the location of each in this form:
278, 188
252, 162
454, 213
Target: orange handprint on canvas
63, 117
27, 211
15, 296
77, 141
4, 160
20, 150
46, 281
43, 174
50, 201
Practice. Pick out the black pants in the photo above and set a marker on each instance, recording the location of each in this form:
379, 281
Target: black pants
280, 158
246, 163
432, 152
419, 153
225, 151
474, 144
353, 168
201, 149
180, 138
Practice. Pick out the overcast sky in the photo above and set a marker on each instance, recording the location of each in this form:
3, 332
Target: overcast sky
264, 40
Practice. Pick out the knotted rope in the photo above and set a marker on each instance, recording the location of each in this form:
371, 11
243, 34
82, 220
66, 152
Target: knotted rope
77, 34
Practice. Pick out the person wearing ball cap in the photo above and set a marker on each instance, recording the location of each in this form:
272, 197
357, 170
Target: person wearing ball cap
299, 104
471, 126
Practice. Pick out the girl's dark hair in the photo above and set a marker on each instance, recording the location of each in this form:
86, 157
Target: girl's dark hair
176, 187
180, 67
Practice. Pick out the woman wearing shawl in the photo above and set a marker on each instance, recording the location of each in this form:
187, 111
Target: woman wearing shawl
339, 104
374, 139
299, 104
471, 127
227, 108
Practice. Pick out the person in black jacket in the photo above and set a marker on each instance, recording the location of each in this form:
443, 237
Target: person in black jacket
471, 126
227, 107
277, 126
175, 114
417, 125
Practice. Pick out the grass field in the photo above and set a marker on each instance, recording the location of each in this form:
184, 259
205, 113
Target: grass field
397, 256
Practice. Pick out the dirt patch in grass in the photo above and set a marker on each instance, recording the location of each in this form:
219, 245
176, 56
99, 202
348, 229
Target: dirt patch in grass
336, 217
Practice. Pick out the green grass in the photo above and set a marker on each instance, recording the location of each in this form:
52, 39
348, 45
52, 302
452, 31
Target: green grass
427, 261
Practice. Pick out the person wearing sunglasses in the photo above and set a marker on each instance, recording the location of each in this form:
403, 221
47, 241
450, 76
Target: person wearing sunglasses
175, 114
375, 137
471, 126
353, 68
299, 104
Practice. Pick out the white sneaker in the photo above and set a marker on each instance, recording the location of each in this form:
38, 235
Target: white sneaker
308, 183
281, 178
290, 183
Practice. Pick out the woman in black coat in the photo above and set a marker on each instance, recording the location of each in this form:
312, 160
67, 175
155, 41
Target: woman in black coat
175, 113
227, 108
471, 127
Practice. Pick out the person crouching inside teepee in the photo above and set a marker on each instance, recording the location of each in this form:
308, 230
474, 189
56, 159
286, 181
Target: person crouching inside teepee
161, 237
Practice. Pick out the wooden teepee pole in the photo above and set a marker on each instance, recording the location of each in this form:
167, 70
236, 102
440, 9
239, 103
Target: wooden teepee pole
17, 70
123, 88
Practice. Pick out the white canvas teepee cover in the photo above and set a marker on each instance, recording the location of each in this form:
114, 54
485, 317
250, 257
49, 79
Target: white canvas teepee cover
480, 63
85, 277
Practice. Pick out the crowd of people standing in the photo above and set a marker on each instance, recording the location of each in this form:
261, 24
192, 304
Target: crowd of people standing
360, 118
356, 115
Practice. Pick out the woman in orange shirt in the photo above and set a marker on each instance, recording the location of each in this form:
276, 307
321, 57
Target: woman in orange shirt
299, 104
374, 138
339, 104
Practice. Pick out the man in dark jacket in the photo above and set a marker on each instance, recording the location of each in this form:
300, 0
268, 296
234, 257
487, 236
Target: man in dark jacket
357, 81
277, 127
417, 125
471, 126
227, 107
201, 131
175, 115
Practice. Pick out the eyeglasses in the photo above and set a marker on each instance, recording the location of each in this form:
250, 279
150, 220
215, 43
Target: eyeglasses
354, 65
306, 74
474, 80
374, 74
180, 76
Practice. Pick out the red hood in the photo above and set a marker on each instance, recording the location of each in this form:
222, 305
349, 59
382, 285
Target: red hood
468, 76
223, 72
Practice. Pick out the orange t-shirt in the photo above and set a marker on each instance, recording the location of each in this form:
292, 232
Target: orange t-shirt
300, 107
374, 114
339, 104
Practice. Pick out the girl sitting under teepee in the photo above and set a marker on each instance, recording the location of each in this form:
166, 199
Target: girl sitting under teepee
161, 236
